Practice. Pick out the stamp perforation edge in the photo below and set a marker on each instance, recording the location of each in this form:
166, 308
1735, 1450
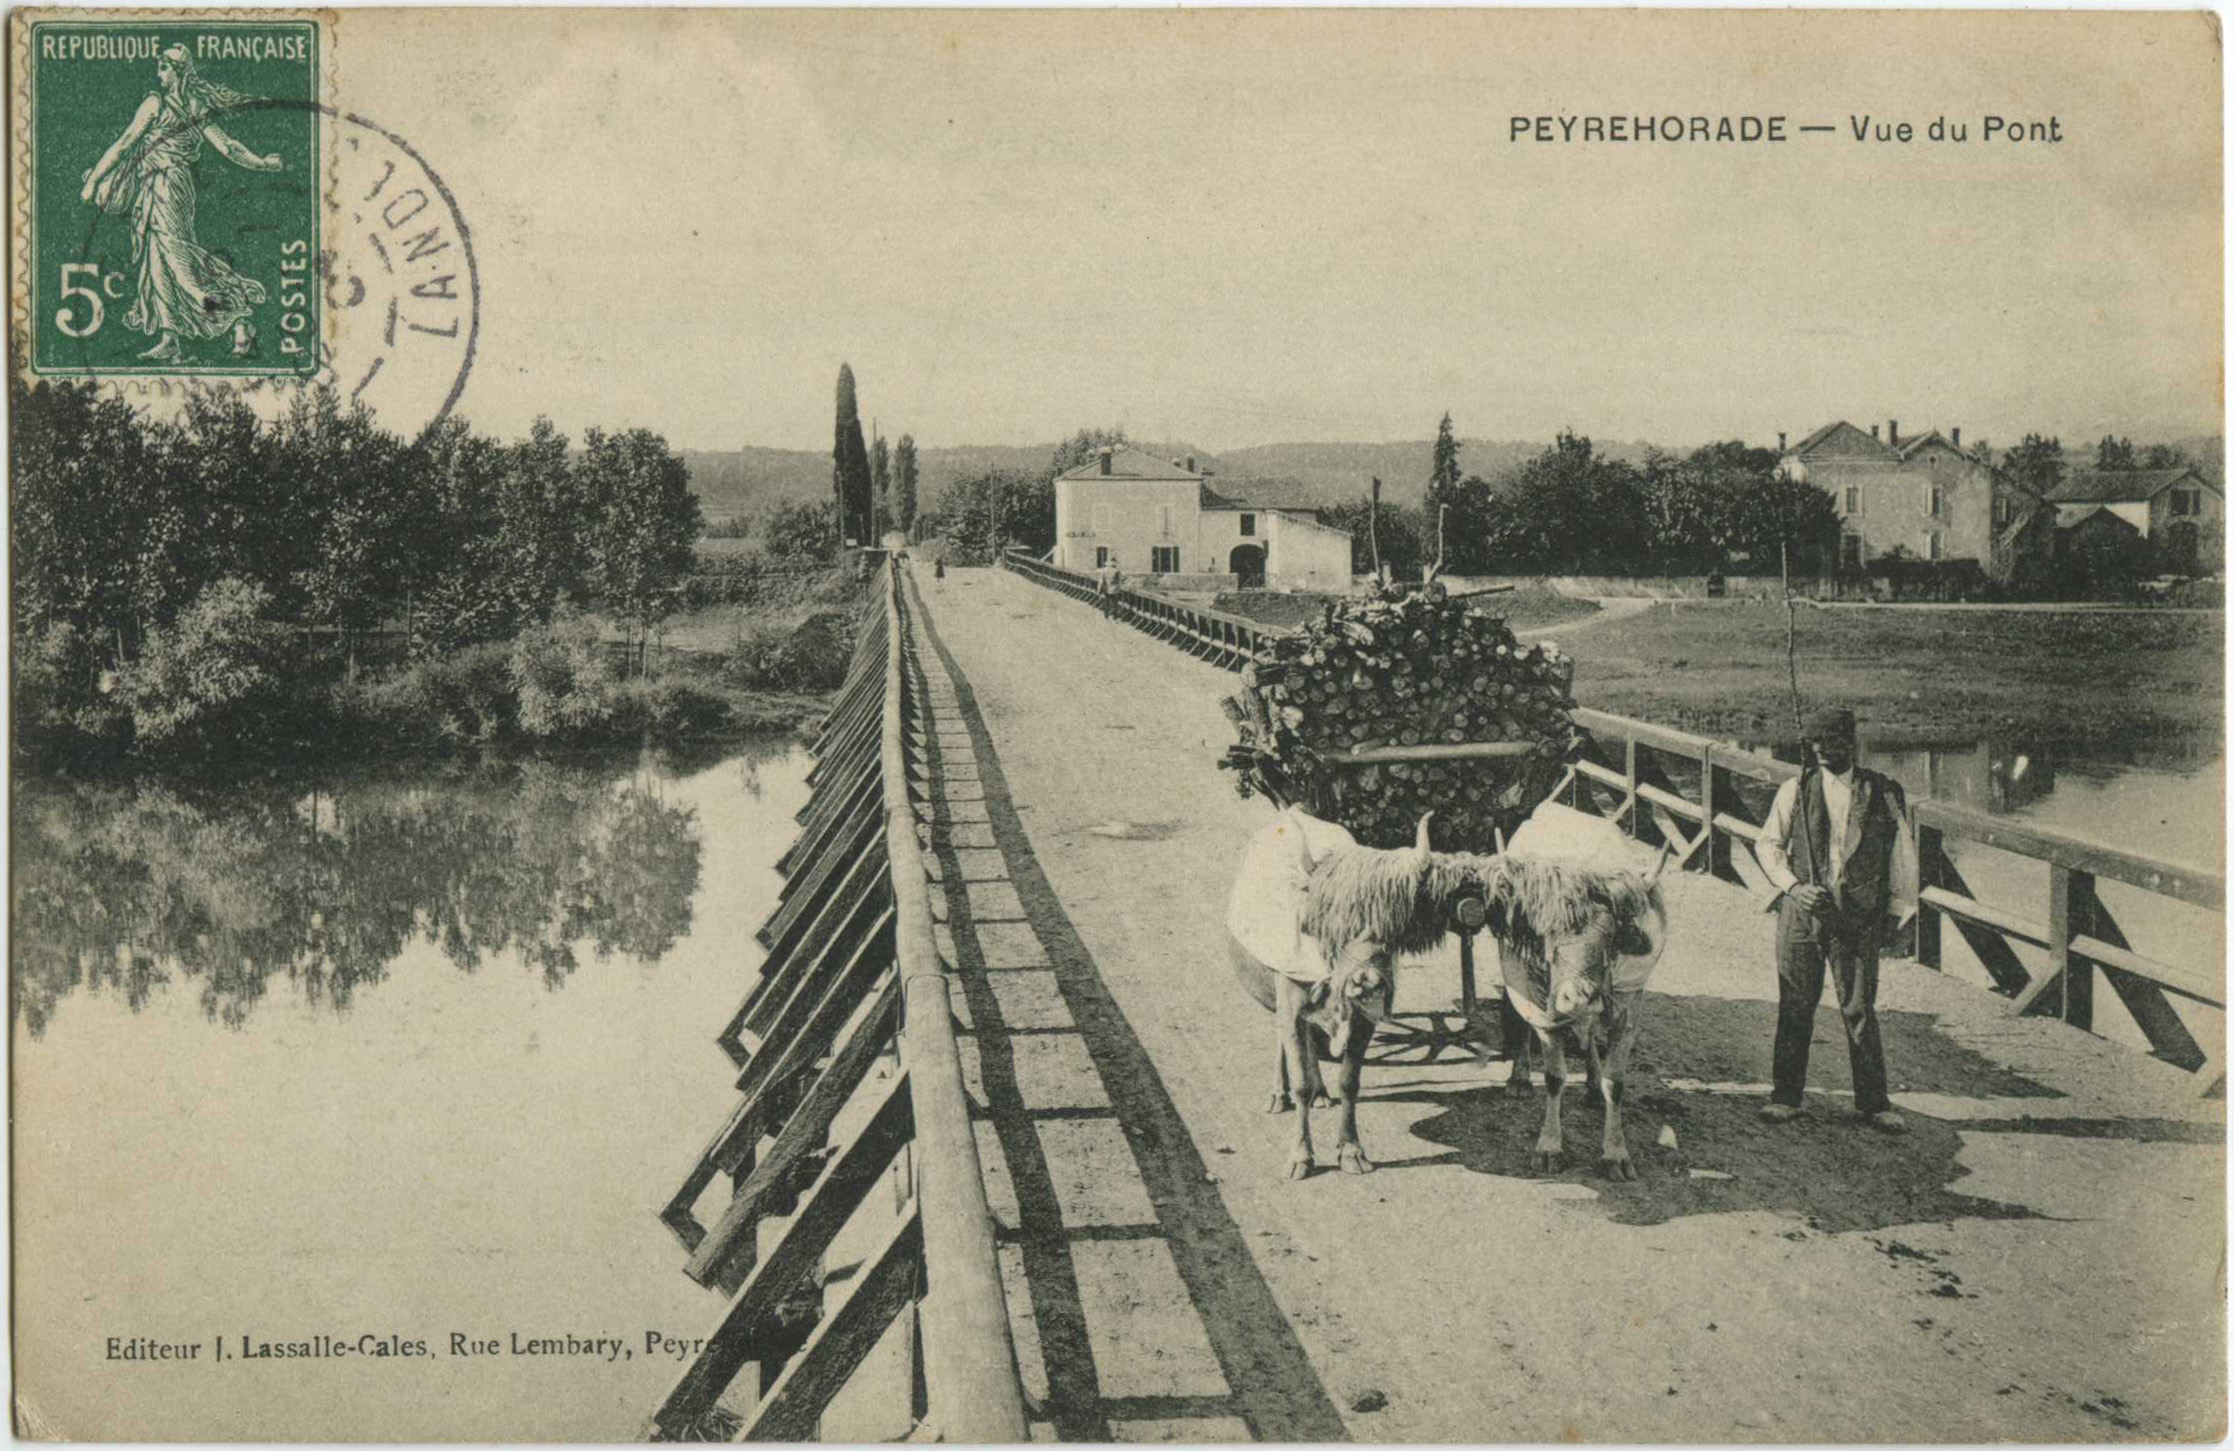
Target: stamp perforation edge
325, 90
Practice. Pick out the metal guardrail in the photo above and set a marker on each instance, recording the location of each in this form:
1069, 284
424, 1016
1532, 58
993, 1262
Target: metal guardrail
1715, 831
852, 980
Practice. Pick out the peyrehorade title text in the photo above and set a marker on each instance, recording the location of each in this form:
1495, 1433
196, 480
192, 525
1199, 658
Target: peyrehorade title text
1672, 129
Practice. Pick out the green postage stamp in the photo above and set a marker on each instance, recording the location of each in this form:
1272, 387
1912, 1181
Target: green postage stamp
175, 176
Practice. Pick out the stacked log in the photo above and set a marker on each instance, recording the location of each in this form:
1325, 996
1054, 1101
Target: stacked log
1405, 669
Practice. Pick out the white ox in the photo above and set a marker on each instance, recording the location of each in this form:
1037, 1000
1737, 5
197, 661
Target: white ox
1579, 924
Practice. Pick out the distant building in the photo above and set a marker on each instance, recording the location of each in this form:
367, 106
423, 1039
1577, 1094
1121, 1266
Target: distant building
1921, 493
1159, 517
2178, 508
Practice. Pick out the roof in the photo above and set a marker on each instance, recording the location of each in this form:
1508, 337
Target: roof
1910, 446
1127, 462
2096, 515
1851, 440
1214, 501
2120, 486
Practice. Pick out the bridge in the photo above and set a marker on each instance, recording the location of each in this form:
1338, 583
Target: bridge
999, 1168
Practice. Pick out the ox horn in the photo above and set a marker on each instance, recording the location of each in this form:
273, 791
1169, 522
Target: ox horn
1666, 851
1419, 845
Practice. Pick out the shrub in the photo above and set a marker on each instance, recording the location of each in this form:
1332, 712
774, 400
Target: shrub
670, 710
465, 698
563, 680
210, 673
812, 656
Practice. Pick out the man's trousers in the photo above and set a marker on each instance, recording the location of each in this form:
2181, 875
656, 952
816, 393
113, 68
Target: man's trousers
1805, 945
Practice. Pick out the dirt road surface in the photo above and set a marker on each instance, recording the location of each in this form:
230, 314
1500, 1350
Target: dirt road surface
2041, 1258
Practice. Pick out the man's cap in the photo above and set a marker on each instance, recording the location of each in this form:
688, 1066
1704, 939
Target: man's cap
1830, 723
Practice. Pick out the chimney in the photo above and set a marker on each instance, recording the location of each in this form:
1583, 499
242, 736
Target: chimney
1107, 453
1958, 437
1780, 448
1873, 430
1892, 432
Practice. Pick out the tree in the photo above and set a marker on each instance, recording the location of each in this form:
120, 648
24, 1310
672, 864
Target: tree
880, 483
1568, 511
1081, 447
991, 511
2166, 456
795, 531
1400, 529
2036, 463
645, 522
1442, 484
849, 470
356, 495
2114, 455
903, 485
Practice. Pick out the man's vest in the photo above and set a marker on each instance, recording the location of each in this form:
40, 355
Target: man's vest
1872, 826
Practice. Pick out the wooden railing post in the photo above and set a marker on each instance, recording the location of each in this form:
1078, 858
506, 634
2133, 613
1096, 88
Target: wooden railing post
1928, 853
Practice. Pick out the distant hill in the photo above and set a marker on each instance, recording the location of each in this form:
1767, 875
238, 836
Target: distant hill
735, 482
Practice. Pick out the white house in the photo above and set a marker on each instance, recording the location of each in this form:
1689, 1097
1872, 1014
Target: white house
1159, 517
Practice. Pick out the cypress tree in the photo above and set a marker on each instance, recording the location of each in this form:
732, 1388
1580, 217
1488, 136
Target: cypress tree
903, 485
849, 471
880, 482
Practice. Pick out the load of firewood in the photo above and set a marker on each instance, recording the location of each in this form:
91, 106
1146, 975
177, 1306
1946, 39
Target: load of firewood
1405, 669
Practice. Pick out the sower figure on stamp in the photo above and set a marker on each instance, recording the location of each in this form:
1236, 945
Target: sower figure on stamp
148, 174
1838, 849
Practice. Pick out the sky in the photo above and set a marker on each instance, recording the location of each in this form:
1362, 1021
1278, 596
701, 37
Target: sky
1235, 227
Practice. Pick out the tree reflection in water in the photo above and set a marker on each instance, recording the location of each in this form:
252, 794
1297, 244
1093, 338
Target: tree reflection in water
130, 887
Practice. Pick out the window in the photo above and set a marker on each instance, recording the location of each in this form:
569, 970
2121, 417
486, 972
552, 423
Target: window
2001, 512
1934, 500
1101, 555
1101, 518
1850, 550
2184, 501
1163, 520
1853, 499
1932, 544
1164, 558
1249, 525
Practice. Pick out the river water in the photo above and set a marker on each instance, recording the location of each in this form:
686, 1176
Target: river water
2163, 798
384, 1058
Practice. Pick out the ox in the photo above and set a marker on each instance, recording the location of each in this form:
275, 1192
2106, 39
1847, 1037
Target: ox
1576, 943
1317, 923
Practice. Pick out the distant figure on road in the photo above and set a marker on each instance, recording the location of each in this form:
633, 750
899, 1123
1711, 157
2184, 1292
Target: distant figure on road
938, 567
1105, 584
1836, 846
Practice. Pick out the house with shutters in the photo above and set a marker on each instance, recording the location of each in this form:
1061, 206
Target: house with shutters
1921, 493
1160, 518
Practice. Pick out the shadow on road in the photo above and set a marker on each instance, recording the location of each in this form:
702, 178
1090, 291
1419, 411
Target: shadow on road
1826, 1171
1270, 1384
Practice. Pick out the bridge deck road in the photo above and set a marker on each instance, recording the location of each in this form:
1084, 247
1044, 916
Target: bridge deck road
2041, 1258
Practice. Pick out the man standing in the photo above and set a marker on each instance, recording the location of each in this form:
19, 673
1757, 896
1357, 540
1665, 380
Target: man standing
1837, 847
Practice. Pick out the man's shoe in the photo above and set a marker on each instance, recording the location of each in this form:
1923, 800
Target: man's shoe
1885, 1121
1780, 1113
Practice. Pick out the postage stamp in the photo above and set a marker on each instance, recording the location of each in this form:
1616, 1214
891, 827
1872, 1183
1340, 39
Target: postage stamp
174, 196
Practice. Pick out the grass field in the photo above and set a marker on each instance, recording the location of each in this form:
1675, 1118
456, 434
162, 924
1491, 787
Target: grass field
1923, 674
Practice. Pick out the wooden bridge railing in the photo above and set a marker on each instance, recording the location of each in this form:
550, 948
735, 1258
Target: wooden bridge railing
1711, 818
1206, 634
1713, 826
851, 1024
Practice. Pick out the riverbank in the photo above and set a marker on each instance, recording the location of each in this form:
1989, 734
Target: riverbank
1915, 674
244, 693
